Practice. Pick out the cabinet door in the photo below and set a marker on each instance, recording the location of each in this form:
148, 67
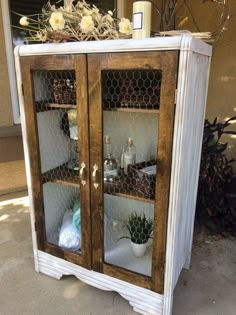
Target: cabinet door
131, 95
56, 113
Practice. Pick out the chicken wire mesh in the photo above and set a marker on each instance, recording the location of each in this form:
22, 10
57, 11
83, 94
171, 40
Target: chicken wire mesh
131, 88
54, 87
57, 124
56, 115
131, 102
62, 216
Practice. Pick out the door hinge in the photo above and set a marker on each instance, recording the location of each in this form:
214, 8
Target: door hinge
35, 226
22, 88
176, 94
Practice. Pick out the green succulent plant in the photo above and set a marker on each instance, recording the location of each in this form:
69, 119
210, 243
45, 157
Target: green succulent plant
140, 228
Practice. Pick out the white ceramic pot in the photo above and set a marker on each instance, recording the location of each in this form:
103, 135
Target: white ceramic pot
138, 249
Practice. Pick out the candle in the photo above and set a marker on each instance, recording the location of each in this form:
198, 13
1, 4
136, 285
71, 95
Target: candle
142, 19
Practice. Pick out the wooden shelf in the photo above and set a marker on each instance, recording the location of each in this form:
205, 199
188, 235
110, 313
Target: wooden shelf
132, 195
41, 107
126, 193
62, 175
133, 110
66, 106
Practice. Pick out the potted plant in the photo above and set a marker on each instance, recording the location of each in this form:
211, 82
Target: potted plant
140, 231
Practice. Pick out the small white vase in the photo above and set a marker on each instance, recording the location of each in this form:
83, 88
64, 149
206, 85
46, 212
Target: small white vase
138, 249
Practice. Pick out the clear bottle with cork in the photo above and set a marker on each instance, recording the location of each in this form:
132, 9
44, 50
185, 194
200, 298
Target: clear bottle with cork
110, 164
128, 155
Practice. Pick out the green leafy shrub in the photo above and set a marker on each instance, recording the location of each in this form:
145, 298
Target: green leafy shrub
215, 178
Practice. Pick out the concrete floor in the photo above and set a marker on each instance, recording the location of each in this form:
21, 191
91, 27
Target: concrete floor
208, 288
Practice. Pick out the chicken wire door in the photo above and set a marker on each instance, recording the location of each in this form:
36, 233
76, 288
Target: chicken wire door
55, 100
131, 99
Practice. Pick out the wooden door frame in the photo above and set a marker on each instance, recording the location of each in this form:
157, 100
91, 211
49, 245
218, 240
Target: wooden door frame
165, 61
78, 63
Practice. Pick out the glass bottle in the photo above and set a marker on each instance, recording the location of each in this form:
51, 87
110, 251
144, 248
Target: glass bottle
110, 164
129, 154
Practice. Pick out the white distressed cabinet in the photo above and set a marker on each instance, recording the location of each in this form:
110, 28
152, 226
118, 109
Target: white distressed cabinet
72, 96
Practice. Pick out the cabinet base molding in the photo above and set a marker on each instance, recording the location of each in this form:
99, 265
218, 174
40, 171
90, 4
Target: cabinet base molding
142, 300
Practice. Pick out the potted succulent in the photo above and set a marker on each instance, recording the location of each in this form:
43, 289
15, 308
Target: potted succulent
140, 229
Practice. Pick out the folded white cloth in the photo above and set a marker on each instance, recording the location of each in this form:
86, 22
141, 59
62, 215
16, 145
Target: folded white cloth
69, 237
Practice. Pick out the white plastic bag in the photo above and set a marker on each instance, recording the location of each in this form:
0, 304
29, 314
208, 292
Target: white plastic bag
69, 237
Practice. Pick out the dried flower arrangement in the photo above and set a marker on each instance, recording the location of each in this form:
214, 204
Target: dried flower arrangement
73, 22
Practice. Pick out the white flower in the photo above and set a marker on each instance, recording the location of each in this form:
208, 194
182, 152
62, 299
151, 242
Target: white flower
24, 21
95, 9
42, 36
125, 26
57, 21
96, 14
110, 13
108, 18
80, 5
87, 24
87, 11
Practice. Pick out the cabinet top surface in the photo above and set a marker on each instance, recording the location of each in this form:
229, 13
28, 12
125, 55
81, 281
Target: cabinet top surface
182, 43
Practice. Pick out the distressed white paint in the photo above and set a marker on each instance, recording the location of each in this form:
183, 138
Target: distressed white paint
194, 62
189, 120
158, 43
27, 158
145, 301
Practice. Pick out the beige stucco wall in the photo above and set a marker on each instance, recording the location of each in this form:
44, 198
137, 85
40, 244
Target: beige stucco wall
6, 118
222, 85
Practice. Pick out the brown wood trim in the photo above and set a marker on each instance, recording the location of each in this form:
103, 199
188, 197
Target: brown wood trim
63, 106
130, 196
61, 62
83, 142
135, 110
97, 63
128, 276
55, 250
169, 62
50, 62
96, 157
55, 176
65, 183
33, 147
